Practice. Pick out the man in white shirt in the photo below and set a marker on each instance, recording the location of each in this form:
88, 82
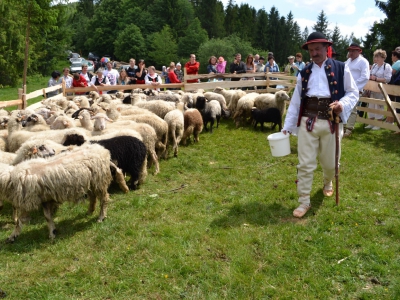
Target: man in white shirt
323, 84
86, 75
359, 68
112, 76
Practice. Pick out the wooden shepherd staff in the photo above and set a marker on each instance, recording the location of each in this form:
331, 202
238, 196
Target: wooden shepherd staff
336, 119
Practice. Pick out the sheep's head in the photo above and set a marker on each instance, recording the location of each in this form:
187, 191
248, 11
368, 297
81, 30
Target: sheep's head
281, 96
100, 121
4, 122
39, 151
119, 95
94, 95
31, 120
73, 139
201, 102
218, 90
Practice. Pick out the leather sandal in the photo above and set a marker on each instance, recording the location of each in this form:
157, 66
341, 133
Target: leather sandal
301, 210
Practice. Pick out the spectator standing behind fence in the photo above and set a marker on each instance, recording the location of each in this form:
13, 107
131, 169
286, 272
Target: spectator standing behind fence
179, 72
271, 67
359, 68
299, 64
131, 71
112, 76
260, 69
290, 66
192, 68
79, 81
221, 65
250, 68
212, 65
256, 59
325, 84
100, 80
141, 72
153, 78
172, 75
67, 78
237, 67
54, 80
395, 72
380, 72
85, 74
164, 74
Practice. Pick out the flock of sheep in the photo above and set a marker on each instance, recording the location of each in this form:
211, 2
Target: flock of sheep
66, 150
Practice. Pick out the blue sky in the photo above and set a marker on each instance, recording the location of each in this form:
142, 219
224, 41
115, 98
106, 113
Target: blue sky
355, 16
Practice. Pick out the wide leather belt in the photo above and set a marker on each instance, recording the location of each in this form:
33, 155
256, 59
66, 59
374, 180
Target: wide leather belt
316, 107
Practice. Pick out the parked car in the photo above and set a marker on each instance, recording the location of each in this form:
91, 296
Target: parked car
93, 56
90, 65
75, 67
74, 55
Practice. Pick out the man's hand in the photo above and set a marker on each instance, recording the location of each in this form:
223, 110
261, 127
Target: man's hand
337, 107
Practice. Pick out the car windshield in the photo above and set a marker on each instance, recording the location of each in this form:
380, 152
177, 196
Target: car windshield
76, 65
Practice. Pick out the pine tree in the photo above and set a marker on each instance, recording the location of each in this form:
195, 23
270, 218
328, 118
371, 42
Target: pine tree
322, 24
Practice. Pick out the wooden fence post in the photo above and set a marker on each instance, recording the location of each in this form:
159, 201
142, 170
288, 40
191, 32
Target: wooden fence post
20, 93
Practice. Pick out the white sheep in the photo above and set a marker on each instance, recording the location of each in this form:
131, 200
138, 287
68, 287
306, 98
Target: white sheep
264, 101
175, 122
159, 107
84, 117
7, 157
82, 101
231, 97
243, 108
49, 182
4, 112
62, 122
34, 122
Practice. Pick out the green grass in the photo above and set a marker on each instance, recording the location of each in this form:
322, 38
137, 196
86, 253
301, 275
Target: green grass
227, 233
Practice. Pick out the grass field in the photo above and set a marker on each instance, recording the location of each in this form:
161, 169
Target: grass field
217, 223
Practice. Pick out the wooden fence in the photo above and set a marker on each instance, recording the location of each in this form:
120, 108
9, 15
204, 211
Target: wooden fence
282, 80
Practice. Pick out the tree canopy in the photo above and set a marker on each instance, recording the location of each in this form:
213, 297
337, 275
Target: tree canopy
138, 29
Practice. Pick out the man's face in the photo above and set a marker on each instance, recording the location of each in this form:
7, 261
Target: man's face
109, 67
354, 53
291, 61
257, 57
238, 58
318, 52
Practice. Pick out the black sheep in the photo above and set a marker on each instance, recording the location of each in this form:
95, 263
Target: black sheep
271, 114
128, 152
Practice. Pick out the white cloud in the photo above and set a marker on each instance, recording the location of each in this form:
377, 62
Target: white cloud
340, 7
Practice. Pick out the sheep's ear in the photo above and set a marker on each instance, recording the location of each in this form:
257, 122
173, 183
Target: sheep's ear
109, 120
65, 123
34, 150
119, 108
80, 117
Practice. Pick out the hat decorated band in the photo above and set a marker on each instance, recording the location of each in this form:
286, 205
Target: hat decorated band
316, 37
354, 46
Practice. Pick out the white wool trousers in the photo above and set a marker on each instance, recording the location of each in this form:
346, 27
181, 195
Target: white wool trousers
319, 143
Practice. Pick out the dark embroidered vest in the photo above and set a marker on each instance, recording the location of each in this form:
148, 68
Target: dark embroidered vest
334, 69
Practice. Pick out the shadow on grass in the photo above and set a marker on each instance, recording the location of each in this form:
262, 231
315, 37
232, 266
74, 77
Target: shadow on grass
32, 239
260, 214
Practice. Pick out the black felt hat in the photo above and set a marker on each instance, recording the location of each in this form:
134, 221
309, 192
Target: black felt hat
316, 37
354, 46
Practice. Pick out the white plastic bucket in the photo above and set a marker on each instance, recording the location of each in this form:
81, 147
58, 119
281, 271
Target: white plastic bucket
279, 144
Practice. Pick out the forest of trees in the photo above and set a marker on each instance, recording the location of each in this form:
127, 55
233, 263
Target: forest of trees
161, 31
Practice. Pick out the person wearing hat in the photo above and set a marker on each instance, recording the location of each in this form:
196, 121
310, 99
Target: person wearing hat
322, 85
289, 67
359, 68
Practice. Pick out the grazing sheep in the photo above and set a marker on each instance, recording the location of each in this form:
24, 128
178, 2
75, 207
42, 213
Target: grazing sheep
49, 182
129, 153
193, 125
159, 125
159, 107
214, 96
272, 115
210, 111
268, 100
60, 101
243, 108
231, 97
175, 123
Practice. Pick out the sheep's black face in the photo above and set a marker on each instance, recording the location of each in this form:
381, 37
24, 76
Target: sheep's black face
201, 102
74, 139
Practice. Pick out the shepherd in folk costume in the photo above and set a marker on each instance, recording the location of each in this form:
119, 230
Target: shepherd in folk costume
323, 84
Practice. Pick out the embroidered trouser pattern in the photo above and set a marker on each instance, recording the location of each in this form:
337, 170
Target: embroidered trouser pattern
320, 142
